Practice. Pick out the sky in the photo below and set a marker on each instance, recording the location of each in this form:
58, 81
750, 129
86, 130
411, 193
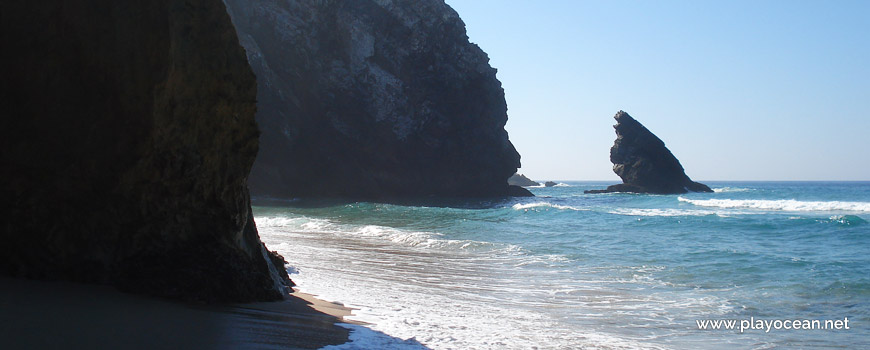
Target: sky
737, 90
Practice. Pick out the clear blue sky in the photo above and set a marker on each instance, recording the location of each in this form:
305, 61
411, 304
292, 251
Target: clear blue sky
738, 90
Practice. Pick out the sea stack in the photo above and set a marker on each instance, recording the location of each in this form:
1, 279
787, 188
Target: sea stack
373, 99
128, 133
643, 162
522, 180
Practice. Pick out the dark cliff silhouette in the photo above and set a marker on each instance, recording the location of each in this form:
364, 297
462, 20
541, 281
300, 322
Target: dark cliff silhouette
128, 133
373, 99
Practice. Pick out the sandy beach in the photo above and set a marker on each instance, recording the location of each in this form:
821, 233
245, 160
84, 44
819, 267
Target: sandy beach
61, 315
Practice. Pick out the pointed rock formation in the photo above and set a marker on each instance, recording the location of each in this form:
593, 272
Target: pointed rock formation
643, 162
373, 99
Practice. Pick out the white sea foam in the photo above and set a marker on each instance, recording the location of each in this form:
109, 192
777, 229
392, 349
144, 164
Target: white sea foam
318, 225
730, 189
421, 239
527, 206
417, 238
301, 223
267, 221
396, 236
783, 204
671, 212
364, 338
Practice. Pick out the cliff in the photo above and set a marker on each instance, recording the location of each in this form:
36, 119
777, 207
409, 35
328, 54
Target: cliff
373, 98
128, 133
644, 164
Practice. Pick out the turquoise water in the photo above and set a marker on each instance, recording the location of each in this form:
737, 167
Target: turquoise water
566, 269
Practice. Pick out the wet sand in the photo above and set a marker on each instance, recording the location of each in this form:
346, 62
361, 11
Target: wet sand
61, 315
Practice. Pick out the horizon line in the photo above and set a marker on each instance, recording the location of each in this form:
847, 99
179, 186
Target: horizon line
720, 180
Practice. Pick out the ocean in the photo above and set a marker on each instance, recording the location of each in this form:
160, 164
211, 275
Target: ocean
567, 270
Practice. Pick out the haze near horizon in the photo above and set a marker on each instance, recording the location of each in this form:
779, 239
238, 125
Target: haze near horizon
773, 90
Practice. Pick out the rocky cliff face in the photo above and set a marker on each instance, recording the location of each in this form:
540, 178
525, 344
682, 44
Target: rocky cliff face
373, 98
128, 133
643, 162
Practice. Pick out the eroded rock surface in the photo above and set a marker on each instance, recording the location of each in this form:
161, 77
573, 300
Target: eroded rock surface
128, 133
644, 164
373, 98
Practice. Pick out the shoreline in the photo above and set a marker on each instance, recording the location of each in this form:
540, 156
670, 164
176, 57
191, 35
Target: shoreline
63, 315
335, 309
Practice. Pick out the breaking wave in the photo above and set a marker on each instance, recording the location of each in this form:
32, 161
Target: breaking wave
782, 204
669, 212
422, 239
730, 189
528, 206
